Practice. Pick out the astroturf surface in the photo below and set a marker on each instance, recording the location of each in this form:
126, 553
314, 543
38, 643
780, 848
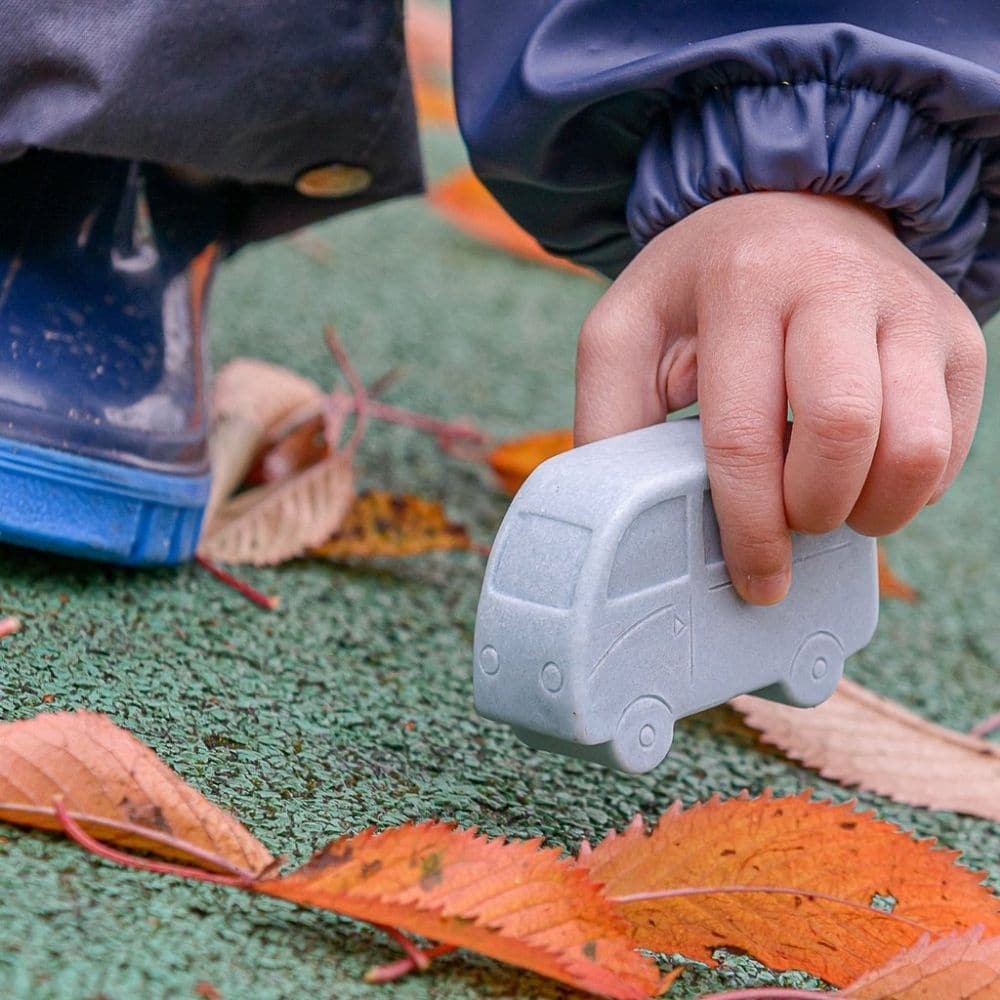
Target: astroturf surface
351, 706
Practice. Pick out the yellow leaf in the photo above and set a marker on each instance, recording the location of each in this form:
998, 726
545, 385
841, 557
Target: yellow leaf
384, 524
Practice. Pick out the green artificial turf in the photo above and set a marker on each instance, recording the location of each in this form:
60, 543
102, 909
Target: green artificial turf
351, 706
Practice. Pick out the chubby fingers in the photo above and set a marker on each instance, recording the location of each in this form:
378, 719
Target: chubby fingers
835, 391
741, 391
932, 390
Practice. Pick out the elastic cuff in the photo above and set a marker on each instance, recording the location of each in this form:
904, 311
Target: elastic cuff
829, 139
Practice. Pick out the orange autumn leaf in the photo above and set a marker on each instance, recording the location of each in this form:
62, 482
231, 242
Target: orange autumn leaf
958, 967
385, 524
118, 790
514, 901
428, 53
788, 880
462, 200
890, 585
515, 460
857, 737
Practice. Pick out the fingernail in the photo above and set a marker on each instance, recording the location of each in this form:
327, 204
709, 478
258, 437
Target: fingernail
768, 589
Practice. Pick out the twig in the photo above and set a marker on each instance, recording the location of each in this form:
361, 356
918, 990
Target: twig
654, 894
9, 626
265, 601
361, 401
413, 953
76, 833
403, 967
988, 725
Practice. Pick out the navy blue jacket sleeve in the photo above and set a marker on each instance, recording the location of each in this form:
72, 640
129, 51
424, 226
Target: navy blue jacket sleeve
598, 123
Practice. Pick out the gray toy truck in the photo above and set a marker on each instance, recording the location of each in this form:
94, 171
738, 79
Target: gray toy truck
607, 611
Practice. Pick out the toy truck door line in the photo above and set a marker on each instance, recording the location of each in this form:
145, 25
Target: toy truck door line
616, 643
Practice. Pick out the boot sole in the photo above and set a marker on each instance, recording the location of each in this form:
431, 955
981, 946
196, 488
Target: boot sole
94, 509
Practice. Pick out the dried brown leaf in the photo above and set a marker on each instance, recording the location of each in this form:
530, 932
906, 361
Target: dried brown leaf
859, 738
115, 787
248, 397
788, 880
280, 521
956, 967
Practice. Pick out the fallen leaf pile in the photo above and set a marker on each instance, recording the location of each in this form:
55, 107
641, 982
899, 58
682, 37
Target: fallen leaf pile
282, 436
790, 880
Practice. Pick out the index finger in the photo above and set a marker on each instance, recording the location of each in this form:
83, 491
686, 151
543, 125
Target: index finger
741, 390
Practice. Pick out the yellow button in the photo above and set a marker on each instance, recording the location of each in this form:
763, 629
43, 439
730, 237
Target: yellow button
335, 180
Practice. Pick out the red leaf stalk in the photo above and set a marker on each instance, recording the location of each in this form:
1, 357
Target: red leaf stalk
76, 833
403, 967
767, 993
9, 626
240, 586
360, 394
988, 725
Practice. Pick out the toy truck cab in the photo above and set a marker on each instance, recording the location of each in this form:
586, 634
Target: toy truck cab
607, 612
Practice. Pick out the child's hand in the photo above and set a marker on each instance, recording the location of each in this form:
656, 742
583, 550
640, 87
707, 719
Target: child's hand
763, 300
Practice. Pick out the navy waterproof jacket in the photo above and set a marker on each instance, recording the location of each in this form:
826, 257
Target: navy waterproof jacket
598, 123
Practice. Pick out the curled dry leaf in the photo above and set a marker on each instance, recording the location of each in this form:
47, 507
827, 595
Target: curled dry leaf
890, 585
801, 878
517, 902
118, 790
956, 967
859, 738
515, 460
462, 200
385, 524
248, 397
280, 521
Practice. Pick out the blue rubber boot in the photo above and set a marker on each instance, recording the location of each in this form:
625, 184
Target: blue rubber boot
104, 270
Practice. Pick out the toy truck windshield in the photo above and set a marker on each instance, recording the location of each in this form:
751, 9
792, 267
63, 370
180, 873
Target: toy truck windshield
540, 560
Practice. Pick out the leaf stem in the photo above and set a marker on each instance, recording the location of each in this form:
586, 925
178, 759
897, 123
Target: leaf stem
76, 833
134, 830
360, 394
413, 953
265, 601
404, 966
642, 897
9, 626
988, 725
767, 993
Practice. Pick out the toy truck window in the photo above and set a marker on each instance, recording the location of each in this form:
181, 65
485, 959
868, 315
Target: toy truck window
653, 550
541, 560
710, 532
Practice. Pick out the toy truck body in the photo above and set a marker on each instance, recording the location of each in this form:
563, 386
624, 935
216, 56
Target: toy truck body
607, 611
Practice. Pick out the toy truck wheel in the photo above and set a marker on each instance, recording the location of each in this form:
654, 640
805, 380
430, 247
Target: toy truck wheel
816, 671
645, 732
